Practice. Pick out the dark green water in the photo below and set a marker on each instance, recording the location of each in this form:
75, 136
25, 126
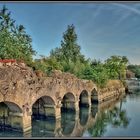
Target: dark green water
111, 119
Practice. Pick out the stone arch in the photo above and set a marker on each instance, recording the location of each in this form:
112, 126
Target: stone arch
41, 96
83, 98
12, 106
94, 96
43, 107
68, 101
10, 115
12, 101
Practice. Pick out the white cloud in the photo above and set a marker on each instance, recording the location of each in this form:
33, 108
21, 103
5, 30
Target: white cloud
132, 9
125, 12
97, 12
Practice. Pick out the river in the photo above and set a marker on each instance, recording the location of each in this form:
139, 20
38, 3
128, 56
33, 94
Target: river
110, 119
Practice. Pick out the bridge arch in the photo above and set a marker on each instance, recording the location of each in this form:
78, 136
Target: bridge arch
43, 107
84, 98
68, 101
12, 106
11, 115
94, 96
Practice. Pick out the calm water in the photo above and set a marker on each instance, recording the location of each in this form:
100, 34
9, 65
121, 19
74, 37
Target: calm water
114, 118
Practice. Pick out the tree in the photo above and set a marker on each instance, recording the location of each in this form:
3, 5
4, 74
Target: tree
135, 69
15, 43
116, 66
69, 52
47, 65
100, 74
69, 55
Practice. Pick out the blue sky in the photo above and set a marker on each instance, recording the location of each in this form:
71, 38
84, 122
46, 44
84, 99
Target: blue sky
103, 29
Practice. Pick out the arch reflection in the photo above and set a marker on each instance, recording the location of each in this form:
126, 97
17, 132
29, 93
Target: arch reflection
68, 120
94, 110
43, 128
84, 115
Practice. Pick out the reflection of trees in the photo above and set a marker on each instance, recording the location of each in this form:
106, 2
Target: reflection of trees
116, 117
99, 127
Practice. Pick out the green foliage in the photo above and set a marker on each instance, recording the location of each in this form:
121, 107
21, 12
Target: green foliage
116, 67
69, 50
135, 69
100, 73
47, 65
15, 43
87, 73
69, 55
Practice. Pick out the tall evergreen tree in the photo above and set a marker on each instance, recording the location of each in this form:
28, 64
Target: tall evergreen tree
69, 50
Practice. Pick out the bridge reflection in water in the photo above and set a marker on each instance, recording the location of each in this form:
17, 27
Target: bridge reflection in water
72, 122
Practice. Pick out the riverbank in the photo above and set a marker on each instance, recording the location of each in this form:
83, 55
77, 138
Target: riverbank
133, 86
114, 89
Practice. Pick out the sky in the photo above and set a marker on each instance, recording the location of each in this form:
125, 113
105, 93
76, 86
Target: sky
103, 28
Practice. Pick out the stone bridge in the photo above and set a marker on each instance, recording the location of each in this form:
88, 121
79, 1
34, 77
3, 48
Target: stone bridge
24, 94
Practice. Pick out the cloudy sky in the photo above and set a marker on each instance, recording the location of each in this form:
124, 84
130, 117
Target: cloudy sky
103, 29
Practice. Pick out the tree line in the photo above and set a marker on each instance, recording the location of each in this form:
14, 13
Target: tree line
15, 43
135, 69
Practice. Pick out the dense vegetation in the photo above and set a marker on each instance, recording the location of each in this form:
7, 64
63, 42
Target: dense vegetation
15, 43
135, 69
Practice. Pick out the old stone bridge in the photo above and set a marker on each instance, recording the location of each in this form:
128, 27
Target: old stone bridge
25, 94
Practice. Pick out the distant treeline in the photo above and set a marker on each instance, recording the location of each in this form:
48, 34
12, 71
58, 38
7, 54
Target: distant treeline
135, 69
